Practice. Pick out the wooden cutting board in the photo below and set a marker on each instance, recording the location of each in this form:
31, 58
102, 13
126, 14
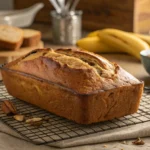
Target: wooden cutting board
7, 56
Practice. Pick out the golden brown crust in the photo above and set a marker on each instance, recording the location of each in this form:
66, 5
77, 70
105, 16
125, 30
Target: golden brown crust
89, 72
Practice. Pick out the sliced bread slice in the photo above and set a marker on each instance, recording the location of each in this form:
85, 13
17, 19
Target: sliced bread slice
10, 37
31, 37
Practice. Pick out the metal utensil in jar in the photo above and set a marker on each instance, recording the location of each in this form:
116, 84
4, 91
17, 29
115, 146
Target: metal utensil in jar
66, 30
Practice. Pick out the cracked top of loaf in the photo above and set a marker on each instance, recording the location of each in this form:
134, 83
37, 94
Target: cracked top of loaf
81, 71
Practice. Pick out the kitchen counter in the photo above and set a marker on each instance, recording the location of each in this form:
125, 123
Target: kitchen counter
129, 63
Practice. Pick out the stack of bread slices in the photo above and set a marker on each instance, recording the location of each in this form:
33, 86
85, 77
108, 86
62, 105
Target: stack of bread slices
12, 38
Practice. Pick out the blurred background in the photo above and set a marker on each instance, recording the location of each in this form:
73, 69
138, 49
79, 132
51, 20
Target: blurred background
128, 15
6, 4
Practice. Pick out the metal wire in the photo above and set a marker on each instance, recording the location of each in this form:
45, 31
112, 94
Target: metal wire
58, 128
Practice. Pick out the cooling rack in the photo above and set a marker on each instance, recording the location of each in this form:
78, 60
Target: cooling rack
58, 128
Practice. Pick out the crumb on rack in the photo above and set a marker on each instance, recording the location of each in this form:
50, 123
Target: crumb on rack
105, 146
138, 142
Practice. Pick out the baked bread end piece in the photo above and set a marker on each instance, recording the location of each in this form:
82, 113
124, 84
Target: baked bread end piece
31, 37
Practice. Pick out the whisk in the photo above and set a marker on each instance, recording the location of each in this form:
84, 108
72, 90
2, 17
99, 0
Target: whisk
63, 7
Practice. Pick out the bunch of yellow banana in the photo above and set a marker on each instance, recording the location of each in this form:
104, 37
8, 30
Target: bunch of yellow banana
94, 44
113, 40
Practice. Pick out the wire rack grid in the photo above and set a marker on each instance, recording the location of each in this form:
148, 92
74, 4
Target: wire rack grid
58, 128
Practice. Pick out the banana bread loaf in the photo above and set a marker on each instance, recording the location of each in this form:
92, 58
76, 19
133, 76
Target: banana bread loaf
75, 84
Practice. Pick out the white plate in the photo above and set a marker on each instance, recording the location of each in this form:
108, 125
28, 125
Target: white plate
20, 18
